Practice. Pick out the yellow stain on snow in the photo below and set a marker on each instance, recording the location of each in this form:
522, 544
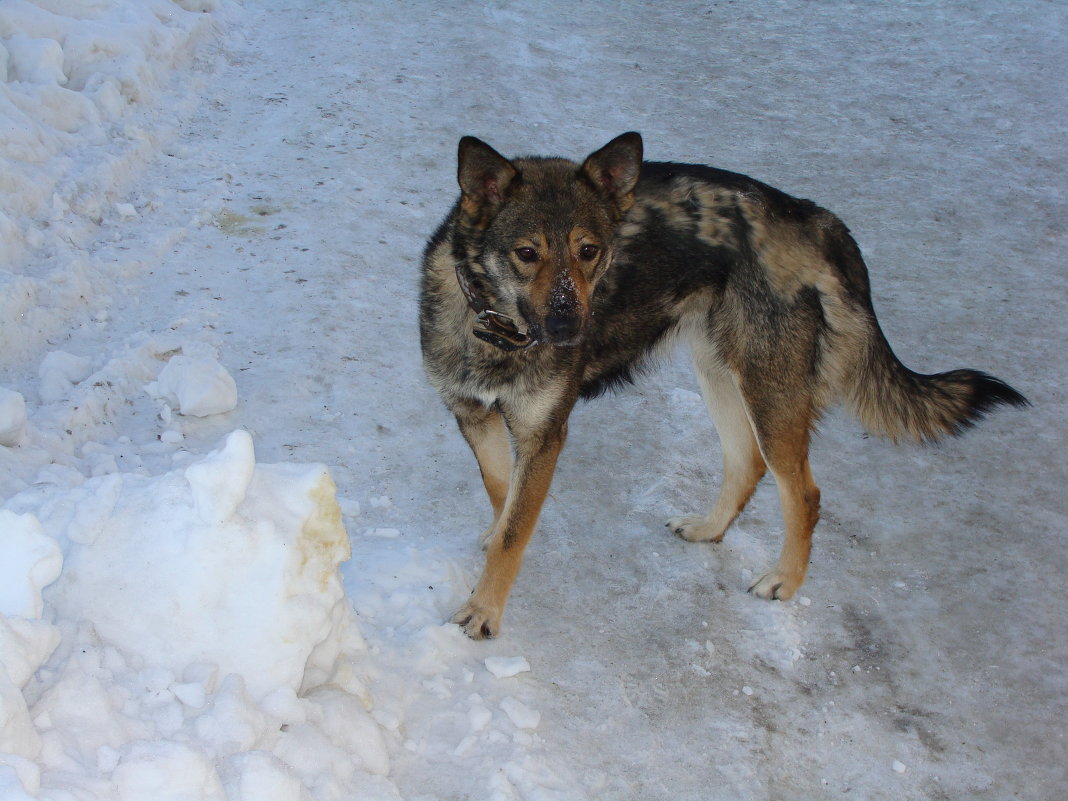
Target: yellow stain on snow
323, 536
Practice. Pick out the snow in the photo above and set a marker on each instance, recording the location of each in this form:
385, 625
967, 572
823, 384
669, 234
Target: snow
83, 109
195, 386
59, 373
520, 714
258, 544
12, 417
234, 518
504, 667
220, 482
32, 560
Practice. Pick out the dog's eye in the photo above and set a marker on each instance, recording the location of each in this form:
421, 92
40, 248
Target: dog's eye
589, 252
526, 254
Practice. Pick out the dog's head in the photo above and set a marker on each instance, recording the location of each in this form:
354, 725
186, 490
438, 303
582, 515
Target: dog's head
539, 232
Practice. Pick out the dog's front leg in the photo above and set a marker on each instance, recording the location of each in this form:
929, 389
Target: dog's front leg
484, 429
536, 451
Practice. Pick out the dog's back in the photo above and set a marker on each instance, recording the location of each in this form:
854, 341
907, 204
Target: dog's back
777, 289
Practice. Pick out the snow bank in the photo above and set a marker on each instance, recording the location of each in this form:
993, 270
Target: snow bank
207, 645
87, 97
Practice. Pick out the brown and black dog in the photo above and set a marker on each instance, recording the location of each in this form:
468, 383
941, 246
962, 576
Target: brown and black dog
550, 281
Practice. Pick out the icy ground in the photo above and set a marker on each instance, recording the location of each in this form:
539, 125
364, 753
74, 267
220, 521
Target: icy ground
211, 222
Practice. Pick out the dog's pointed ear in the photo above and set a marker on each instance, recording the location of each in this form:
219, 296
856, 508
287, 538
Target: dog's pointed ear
614, 169
484, 176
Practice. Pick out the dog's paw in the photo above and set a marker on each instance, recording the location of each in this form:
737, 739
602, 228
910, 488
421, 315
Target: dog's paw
775, 586
478, 622
695, 528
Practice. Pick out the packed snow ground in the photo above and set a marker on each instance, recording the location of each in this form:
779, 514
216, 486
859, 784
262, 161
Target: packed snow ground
211, 224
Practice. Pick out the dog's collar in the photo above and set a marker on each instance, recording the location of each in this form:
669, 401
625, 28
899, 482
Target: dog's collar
493, 327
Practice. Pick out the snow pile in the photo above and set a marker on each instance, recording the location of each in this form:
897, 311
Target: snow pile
207, 645
81, 90
256, 545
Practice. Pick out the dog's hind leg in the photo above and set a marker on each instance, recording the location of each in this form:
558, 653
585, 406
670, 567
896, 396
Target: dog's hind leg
484, 429
743, 464
783, 423
536, 450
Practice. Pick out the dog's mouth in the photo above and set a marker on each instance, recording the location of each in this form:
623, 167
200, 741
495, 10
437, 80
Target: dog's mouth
501, 331
558, 341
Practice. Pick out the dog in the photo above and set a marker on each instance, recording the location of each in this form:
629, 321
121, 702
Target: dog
551, 281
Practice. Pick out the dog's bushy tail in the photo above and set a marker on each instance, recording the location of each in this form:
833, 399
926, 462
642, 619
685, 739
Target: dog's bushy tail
891, 400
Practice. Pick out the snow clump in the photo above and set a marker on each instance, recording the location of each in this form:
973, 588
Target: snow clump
60, 372
12, 417
195, 385
504, 667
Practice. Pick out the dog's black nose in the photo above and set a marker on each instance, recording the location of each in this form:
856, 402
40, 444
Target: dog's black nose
562, 327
